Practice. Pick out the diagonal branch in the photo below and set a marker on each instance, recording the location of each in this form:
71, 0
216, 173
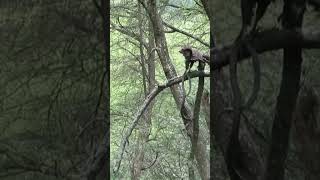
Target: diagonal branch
153, 93
186, 33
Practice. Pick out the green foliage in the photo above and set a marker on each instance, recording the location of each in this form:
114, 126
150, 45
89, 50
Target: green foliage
168, 137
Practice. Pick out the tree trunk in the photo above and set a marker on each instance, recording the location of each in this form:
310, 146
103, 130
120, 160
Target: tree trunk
176, 90
145, 125
220, 126
292, 18
306, 132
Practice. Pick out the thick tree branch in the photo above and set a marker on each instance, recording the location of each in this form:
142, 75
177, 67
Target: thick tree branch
270, 40
196, 113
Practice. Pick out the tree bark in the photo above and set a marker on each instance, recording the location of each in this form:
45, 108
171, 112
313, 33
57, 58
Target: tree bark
148, 81
220, 126
176, 90
306, 132
292, 18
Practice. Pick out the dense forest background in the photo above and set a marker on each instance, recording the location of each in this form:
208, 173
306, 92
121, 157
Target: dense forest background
160, 144
53, 100
135, 70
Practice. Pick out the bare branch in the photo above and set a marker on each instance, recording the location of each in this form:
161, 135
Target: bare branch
186, 33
